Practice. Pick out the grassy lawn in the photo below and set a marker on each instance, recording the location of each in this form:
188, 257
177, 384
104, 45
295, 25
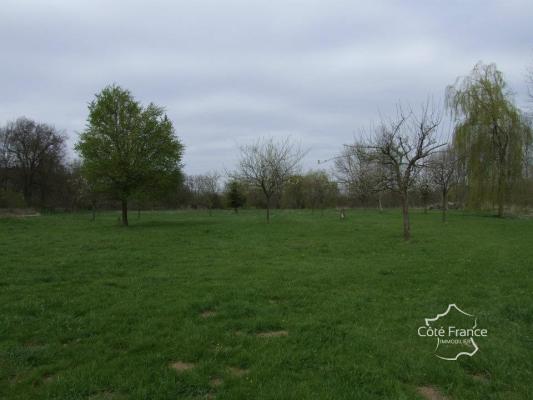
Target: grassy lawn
183, 305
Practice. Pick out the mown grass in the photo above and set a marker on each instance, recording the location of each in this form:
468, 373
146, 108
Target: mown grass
91, 310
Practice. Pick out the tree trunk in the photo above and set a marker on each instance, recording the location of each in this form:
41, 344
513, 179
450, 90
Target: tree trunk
93, 211
405, 215
444, 204
236, 210
43, 196
268, 212
379, 203
27, 190
501, 192
125, 212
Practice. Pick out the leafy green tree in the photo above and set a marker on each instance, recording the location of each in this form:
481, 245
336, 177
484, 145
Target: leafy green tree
128, 149
488, 136
320, 192
294, 193
235, 195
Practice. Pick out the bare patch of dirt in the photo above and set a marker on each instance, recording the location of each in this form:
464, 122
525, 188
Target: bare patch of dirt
33, 344
181, 366
208, 314
430, 393
15, 379
273, 334
238, 372
105, 395
216, 382
481, 377
48, 378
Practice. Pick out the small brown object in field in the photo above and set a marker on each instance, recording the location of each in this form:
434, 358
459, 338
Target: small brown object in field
208, 314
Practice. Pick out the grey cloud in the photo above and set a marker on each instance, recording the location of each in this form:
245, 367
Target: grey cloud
231, 71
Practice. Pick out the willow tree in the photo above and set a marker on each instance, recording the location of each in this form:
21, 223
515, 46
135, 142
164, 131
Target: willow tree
128, 149
488, 135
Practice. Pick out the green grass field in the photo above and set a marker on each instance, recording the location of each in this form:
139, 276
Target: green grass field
308, 307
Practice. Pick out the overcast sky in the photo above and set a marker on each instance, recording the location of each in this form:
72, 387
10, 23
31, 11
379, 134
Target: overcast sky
228, 72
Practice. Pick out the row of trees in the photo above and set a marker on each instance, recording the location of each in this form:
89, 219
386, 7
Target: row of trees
313, 190
129, 153
486, 165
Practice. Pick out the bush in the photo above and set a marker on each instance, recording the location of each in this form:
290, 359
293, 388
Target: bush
10, 199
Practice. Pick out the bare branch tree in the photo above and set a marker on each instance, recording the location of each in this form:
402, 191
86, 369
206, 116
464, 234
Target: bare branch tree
267, 165
442, 169
35, 149
359, 173
424, 186
402, 146
205, 189
6, 158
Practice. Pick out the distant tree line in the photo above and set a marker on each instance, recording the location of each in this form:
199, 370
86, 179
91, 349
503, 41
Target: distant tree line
130, 157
